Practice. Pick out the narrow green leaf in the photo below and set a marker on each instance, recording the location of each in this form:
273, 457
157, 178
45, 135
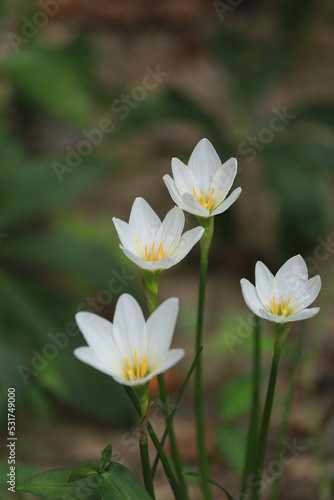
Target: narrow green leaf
203, 478
105, 457
53, 485
83, 471
176, 405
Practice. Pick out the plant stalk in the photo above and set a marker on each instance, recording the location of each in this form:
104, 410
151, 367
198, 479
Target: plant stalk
208, 225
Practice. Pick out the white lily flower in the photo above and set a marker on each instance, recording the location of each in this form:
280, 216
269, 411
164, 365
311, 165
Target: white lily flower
283, 298
130, 350
201, 187
152, 244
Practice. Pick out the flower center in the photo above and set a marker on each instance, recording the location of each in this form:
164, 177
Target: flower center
138, 371
160, 253
280, 309
206, 204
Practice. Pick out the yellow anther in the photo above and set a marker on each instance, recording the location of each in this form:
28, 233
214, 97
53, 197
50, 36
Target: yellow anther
160, 253
206, 204
137, 364
152, 253
196, 198
274, 308
282, 310
138, 371
144, 366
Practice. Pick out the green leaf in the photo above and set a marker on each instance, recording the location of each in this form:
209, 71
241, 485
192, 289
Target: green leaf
105, 457
119, 482
63, 97
83, 471
53, 485
232, 444
235, 398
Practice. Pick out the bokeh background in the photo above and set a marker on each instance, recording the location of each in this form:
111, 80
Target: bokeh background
96, 98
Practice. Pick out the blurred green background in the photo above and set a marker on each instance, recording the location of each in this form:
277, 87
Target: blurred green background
95, 100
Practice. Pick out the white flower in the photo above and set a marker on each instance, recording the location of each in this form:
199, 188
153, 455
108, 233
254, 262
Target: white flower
130, 350
201, 187
152, 244
282, 298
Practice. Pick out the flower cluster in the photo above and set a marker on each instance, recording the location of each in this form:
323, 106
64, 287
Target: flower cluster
130, 350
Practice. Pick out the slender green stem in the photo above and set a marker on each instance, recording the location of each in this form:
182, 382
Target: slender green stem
282, 331
287, 405
176, 405
146, 468
150, 282
254, 420
164, 460
208, 225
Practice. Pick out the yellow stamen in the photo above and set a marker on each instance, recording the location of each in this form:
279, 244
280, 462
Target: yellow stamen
196, 198
210, 202
281, 310
152, 253
137, 364
206, 204
274, 308
137, 372
129, 371
144, 366
160, 253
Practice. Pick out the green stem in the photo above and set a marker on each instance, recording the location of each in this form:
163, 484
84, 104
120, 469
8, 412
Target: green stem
164, 460
287, 405
282, 331
208, 225
254, 420
150, 282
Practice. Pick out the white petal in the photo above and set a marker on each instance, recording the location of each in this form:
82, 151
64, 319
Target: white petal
187, 242
144, 221
168, 360
193, 206
160, 328
92, 358
150, 266
204, 160
265, 284
184, 177
223, 178
130, 332
304, 314
227, 202
97, 331
173, 191
252, 300
126, 234
306, 294
291, 276
170, 230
